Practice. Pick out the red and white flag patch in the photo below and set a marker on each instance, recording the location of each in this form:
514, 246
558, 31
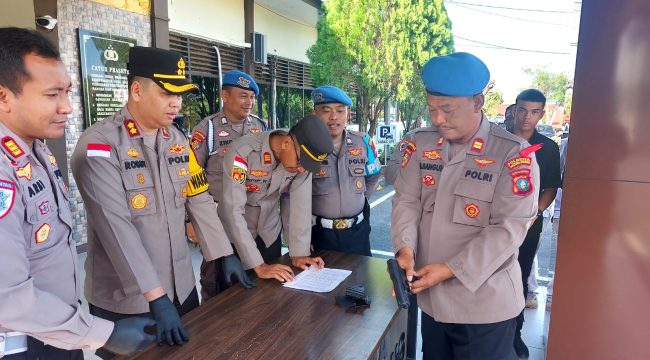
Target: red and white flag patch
240, 163
7, 196
98, 150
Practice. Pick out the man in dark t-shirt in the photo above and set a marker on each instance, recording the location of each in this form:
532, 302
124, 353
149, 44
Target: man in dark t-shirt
529, 110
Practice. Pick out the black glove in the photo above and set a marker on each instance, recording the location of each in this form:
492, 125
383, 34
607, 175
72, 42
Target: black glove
129, 336
231, 266
168, 323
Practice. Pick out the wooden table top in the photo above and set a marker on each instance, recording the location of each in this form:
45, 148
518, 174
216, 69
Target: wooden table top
273, 322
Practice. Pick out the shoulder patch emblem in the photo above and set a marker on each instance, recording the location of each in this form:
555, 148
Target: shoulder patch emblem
432, 154
14, 149
521, 184
42, 233
197, 139
518, 161
25, 172
483, 162
7, 196
409, 148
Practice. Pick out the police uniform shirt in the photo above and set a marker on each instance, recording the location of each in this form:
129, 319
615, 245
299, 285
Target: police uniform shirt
253, 182
223, 133
39, 288
342, 186
135, 196
471, 212
548, 159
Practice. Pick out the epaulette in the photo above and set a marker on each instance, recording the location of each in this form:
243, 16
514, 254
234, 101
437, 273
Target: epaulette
500, 132
357, 133
265, 124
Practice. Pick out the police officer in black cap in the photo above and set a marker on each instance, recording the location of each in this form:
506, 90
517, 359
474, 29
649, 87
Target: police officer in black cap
258, 169
137, 176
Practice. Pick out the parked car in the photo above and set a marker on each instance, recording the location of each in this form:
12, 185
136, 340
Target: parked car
548, 131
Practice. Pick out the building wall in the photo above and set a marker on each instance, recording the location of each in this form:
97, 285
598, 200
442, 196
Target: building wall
74, 14
221, 20
285, 36
21, 14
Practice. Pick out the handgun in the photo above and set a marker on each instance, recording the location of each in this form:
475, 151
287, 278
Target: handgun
400, 284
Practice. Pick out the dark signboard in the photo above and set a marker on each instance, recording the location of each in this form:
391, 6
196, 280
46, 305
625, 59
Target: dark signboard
103, 59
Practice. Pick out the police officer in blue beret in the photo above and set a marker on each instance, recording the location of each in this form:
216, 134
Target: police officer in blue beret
465, 195
345, 182
210, 139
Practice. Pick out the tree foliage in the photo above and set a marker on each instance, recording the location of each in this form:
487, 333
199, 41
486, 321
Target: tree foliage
553, 85
376, 49
493, 99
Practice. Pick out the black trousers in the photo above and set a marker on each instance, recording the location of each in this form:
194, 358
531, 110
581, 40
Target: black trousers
212, 280
37, 350
527, 252
189, 304
445, 341
355, 240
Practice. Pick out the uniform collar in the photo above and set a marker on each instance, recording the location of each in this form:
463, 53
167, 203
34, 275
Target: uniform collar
133, 129
12, 145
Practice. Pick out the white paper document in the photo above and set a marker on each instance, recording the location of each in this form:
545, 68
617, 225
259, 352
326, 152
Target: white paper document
324, 280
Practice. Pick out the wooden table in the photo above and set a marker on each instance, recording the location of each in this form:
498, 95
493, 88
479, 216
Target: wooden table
273, 322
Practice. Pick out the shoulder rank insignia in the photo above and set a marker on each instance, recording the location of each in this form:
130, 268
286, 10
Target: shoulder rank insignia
7, 196
484, 161
131, 128
477, 145
14, 149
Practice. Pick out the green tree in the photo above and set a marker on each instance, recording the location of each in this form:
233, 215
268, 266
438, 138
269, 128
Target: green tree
553, 85
493, 99
377, 47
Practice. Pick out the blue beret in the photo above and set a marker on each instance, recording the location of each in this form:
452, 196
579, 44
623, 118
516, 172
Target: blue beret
329, 94
458, 74
241, 80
